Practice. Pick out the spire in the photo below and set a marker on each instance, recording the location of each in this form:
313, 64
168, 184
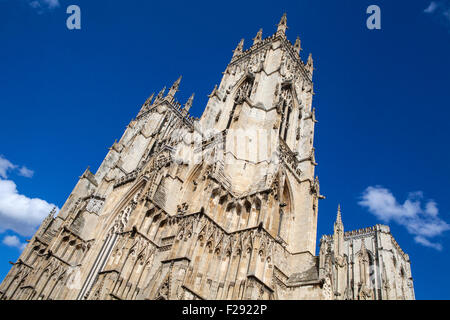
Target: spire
213, 92
149, 100
310, 64
188, 104
338, 236
174, 87
239, 48
282, 26
297, 45
258, 37
338, 225
339, 218
160, 94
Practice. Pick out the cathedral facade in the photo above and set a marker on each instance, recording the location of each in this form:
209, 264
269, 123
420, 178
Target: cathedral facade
220, 207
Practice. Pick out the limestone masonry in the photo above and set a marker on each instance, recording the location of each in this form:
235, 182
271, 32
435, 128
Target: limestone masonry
221, 207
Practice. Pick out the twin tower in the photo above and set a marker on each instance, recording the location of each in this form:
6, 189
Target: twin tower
221, 207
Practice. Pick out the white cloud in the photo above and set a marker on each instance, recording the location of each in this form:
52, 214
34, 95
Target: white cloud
420, 220
19, 212
14, 241
43, 5
25, 172
5, 166
423, 241
431, 208
431, 7
440, 12
51, 3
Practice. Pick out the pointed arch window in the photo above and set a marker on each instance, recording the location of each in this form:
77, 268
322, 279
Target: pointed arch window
243, 92
284, 213
285, 107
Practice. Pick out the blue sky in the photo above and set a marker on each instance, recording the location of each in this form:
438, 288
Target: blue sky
382, 99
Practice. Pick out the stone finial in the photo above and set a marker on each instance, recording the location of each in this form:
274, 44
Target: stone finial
188, 104
86, 172
338, 217
149, 100
160, 94
338, 225
213, 92
310, 64
174, 88
258, 37
239, 48
338, 236
282, 25
297, 45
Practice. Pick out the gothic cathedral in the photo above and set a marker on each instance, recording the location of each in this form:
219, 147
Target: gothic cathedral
218, 207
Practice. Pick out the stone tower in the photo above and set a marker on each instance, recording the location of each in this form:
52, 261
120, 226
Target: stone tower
365, 264
221, 207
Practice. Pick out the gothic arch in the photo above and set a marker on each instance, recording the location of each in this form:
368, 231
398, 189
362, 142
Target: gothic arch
132, 192
18, 290
43, 278
367, 273
290, 86
283, 218
247, 78
286, 105
242, 91
191, 184
12, 286
109, 234
56, 287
